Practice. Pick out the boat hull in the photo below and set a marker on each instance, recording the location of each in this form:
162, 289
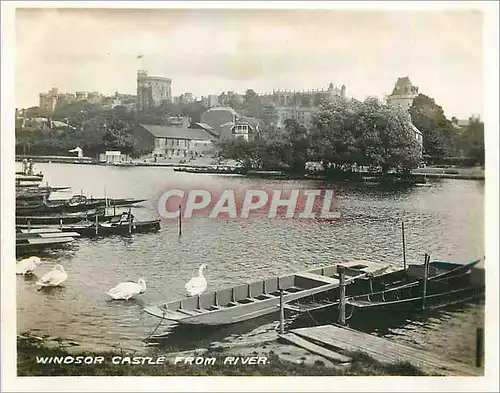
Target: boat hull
252, 300
89, 229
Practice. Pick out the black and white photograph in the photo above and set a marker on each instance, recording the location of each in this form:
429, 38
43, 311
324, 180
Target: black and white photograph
254, 189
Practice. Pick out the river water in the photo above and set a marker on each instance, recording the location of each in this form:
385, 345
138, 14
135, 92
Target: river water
444, 219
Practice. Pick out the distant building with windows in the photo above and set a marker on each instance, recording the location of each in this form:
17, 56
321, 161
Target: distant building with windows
403, 94
302, 98
48, 101
169, 141
152, 91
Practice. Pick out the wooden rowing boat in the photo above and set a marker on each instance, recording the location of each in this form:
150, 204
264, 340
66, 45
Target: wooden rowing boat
402, 290
68, 218
116, 225
251, 300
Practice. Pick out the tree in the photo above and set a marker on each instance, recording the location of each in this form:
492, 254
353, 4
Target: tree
438, 133
295, 146
250, 96
332, 138
385, 137
472, 140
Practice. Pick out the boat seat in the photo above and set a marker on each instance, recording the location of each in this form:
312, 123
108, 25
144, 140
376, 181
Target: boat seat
318, 277
213, 308
190, 313
267, 295
201, 310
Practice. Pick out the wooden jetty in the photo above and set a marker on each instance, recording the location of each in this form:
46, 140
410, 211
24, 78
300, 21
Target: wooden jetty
338, 342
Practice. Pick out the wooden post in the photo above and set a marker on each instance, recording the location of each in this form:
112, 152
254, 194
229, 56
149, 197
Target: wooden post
129, 221
61, 224
341, 272
404, 246
97, 224
114, 210
282, 313
180, 220
29, 225
426, 273
479, 346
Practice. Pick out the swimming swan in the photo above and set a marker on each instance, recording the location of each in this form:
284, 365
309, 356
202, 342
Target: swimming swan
27, 265
53, 278
127, 290
197, 285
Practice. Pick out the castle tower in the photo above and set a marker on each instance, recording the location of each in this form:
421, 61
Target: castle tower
403, 93
152, 90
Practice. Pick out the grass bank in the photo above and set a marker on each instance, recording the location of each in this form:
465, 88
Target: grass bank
29, 349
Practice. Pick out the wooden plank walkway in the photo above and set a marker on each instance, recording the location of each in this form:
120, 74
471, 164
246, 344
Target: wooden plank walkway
317, 349
347, 340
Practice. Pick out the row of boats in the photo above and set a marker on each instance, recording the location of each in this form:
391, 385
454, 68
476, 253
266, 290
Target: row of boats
42, 223
369, 287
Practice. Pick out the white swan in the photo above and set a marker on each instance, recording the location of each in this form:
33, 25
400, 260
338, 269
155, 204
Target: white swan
197, 285
53, 278
127, 290
27, 265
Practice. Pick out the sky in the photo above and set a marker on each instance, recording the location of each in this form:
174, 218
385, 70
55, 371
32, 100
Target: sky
211, 51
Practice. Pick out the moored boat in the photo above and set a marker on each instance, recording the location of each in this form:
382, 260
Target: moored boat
68, 218
115, 225
447, 283
77, 203
29, 241
248, 301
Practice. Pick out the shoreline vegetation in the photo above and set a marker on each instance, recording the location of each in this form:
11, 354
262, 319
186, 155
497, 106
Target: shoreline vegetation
342, 134
29, 347
416, 176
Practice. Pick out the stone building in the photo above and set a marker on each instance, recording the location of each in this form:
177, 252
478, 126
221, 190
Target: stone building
304, 98
48, 101
403, 94
152, 90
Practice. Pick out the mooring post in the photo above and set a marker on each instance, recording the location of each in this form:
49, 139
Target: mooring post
479, 346
129, 221
341, 272
60, 224
426, 273
404, 246
180, 220
282, 313
97, 224
29, 225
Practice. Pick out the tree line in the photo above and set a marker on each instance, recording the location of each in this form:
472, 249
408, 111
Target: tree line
345, 133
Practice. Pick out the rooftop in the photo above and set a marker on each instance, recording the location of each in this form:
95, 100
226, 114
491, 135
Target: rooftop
403, 85
223, 108
178, 132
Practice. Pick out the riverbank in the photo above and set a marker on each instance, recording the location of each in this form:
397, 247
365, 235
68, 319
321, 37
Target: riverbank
264, 359
419, 174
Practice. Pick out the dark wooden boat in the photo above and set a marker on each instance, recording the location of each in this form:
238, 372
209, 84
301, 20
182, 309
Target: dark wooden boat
68, 218
211, 170
116, 225
439, 293
77, 203
396, 283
